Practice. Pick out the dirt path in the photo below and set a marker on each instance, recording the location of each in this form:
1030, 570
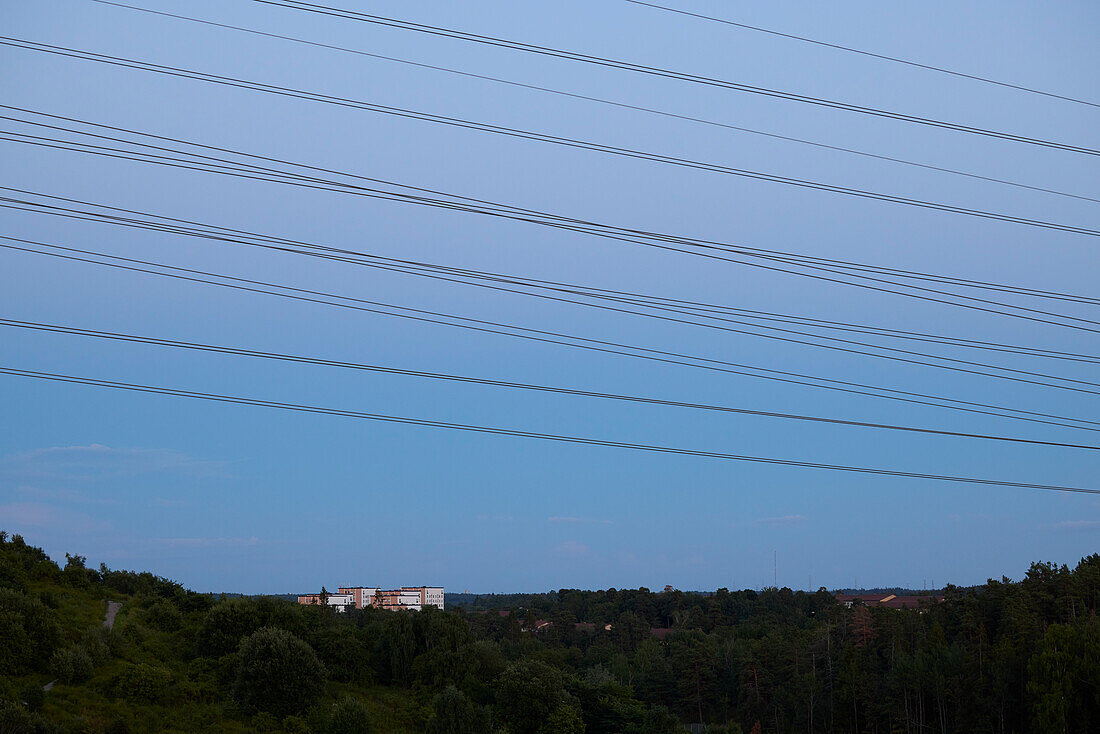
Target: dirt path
108, 622
112, 610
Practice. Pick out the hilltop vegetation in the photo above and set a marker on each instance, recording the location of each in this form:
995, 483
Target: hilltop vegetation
1002, 657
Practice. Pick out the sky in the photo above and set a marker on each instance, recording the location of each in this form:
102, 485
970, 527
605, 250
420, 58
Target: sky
254, 500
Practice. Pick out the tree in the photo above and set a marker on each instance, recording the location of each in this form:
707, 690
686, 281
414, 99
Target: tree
227, 622
28, 630
75, 574
564, 719
1063, 678
278, 673
695, 660
527, 693
454, 713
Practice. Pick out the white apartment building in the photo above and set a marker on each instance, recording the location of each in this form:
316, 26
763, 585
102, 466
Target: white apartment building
341, 601
407, 598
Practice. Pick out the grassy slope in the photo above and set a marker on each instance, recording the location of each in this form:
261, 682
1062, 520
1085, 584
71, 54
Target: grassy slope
205, 708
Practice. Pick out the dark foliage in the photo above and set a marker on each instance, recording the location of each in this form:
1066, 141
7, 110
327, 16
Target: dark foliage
278, 674
1001, 657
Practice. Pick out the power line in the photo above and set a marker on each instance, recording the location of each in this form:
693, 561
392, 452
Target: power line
600, 100
574, 224
215, 232
526, 434
544, 336
607, 231
667, 73
478, 278
861, 52
536, 136
220, 349
389, 196
754, 264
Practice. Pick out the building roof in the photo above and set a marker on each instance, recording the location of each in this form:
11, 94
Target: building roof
891, 601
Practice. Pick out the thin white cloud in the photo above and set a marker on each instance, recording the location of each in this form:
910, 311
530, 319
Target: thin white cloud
68, 495
17, 515
96, 461
579, 520
1078, 524
204, 542
783, 520
572, 548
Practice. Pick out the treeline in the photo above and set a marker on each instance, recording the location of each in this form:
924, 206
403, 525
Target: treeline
1003, 657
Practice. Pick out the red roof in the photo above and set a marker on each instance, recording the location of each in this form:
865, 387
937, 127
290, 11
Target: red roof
891, 601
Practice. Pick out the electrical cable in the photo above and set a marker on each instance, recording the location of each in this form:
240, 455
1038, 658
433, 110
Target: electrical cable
219, 349
500, 209
545, 336
470, 277
526, 434
666, 73
539, 137
252, 174
216, 232
849, 49
601, 100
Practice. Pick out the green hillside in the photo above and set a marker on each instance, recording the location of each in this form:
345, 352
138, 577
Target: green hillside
1004, 657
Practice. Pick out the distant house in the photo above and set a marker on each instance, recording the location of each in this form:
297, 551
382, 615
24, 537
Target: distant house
891, 601
407, 598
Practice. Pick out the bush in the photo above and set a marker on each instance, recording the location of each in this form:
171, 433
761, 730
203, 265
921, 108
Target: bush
71, 665
295, 725
164, 615
14, 718
350, 716
143, 682
265, 722
278, 673
94, 642
29, 631
33, 696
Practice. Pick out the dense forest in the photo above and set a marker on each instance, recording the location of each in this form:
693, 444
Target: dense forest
1002, 657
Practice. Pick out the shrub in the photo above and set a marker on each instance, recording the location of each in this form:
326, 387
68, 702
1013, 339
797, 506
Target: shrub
278, 673
94, 642
265, 722
71, 665
164, 615
29, 631
14, 718
296, 725
350, 716
118, 726
143, 682
33, 696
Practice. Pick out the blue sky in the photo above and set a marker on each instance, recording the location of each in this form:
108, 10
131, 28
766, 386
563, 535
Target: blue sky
246, 499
